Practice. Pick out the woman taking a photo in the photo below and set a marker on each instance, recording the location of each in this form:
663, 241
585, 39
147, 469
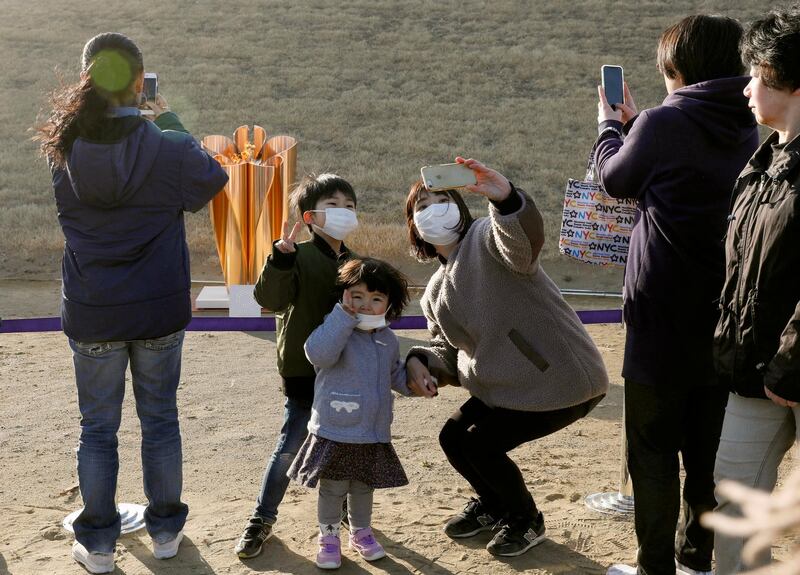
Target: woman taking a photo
121, 186
679, 160
500, 328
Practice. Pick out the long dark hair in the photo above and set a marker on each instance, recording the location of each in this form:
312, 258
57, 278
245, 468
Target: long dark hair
110, 64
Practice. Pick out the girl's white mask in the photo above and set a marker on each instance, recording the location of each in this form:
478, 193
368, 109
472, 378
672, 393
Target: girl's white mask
368, 321
339, 222
438, 224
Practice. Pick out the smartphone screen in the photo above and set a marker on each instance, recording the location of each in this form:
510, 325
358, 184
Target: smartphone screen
612, 84
150, 87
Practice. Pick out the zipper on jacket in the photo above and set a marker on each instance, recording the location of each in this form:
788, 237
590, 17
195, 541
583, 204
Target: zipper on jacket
748, 221
749, 212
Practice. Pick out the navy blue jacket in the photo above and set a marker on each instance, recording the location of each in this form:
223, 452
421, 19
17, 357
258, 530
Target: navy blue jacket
125, 269
680, 161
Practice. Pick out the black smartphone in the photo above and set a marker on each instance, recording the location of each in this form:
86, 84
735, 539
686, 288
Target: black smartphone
150, 86
612, 84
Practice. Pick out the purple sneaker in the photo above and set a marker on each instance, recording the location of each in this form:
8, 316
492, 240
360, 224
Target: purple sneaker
330, 552
364, 542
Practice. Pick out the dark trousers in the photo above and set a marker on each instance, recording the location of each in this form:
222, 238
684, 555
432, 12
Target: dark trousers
477, 438
660, 423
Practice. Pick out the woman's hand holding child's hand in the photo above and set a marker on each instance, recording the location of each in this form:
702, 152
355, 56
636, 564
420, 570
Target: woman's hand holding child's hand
491, 183
420, 381
286, 243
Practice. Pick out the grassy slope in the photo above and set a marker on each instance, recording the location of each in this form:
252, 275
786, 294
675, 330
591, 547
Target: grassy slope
371, 88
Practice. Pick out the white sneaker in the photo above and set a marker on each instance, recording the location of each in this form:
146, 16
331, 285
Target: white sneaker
684, 570
620, 569
94, 562
167, 549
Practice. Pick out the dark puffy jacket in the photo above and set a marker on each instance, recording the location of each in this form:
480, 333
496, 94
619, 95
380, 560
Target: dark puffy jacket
300, 287
757, 341
125, 269
680, 161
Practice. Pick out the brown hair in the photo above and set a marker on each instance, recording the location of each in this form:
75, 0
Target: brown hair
701, 48
772, 47
378, 276
110, 64
420, 249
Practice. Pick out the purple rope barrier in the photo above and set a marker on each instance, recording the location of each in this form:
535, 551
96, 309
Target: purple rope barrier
222, 323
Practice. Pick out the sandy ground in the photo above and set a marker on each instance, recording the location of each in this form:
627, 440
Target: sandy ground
231, 410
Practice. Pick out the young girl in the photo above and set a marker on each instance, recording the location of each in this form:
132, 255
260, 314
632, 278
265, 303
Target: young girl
348, 450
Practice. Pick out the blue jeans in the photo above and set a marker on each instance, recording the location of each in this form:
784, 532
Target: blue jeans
100, 377
296, 414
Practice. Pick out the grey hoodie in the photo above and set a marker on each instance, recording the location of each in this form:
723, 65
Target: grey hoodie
356, 371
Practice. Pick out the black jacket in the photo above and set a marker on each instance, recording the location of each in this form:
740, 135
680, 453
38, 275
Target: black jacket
300, 287
757, 341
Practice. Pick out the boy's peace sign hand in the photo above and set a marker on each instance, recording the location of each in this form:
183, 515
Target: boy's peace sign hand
347, 303
286, 243
491, 183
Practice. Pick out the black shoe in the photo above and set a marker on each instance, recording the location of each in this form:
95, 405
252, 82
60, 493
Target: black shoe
474, 519
516, 536
252, 540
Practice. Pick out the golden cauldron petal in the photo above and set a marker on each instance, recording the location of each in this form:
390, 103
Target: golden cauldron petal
219, 145
249, 215
262, 178
284, 147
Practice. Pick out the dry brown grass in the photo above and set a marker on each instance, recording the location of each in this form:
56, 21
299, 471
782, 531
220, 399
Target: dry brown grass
372, 89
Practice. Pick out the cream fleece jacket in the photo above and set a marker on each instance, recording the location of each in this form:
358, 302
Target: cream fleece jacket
499, 323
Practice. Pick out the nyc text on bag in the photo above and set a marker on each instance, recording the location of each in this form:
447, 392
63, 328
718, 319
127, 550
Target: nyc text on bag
595, 228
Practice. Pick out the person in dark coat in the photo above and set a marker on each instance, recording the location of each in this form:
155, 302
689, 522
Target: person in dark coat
679, 160
122, 184
757, 342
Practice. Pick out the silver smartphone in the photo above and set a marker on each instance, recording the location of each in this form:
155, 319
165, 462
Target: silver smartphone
447, 176
150, 86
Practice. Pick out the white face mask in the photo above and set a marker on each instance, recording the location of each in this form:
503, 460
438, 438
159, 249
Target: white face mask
368, 321
339, 222
438, 224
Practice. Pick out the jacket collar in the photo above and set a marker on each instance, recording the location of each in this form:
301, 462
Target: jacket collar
778, 168
326, 248
123, 112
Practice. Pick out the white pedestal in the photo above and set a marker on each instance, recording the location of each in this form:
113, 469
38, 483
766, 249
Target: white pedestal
212, 297
239, 302
242, 302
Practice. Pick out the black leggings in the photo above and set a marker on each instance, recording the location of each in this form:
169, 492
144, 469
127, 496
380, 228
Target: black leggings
477, 438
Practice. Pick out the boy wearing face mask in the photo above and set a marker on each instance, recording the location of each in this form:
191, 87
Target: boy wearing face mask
298, 283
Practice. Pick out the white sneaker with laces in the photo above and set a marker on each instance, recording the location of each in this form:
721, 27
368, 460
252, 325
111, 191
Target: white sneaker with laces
167, 549
94, 562
620, 569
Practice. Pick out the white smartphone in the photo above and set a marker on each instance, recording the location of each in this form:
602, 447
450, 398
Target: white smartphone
447, 176
613, 79
150, 86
